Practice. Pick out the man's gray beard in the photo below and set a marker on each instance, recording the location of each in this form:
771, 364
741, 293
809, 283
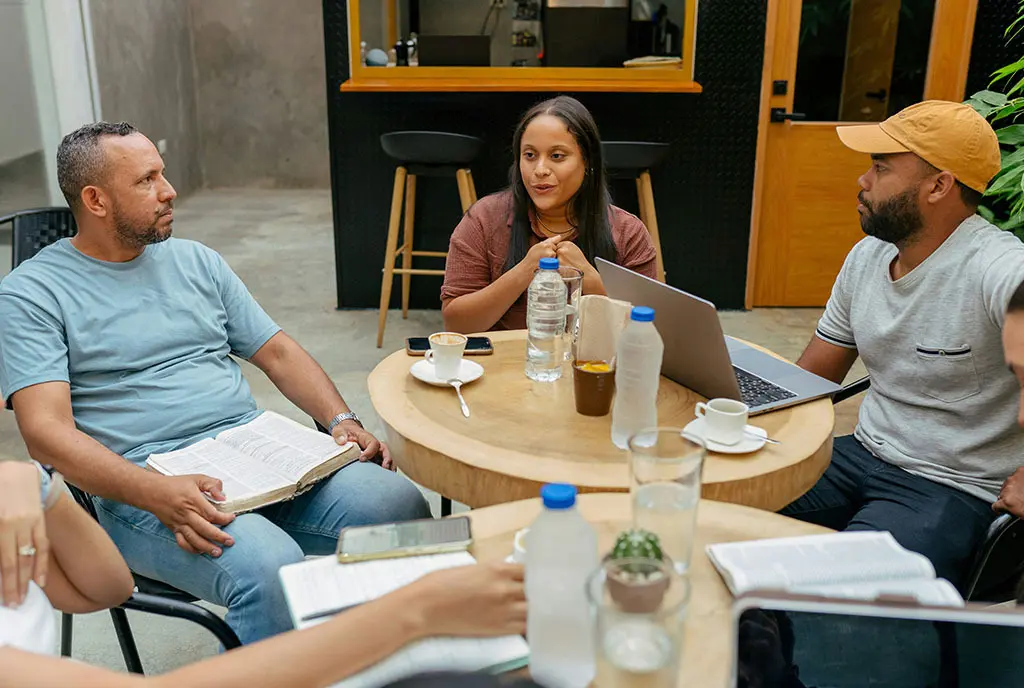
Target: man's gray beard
130, 237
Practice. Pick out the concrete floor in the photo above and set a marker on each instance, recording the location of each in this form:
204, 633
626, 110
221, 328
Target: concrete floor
280, 244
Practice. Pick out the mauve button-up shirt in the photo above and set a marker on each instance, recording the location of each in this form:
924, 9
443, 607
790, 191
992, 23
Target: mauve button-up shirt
479, 247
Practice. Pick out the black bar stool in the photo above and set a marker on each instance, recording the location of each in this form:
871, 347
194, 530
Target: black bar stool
634, 160
420, 153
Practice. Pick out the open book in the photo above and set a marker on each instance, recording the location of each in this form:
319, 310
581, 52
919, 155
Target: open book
317, 585
262, 462
860, 565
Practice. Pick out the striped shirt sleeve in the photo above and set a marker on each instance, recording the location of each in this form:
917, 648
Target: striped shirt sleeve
835, 327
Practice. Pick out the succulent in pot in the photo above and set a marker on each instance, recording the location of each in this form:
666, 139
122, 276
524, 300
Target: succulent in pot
639, 582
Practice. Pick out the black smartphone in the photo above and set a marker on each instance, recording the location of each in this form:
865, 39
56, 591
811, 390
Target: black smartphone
475, 346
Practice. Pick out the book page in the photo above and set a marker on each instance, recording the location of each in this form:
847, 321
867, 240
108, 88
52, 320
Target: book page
784, 563
934, 591
241, 476
288, 447
324, 584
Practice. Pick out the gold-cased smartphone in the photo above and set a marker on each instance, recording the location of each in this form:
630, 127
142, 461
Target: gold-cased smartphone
407, 539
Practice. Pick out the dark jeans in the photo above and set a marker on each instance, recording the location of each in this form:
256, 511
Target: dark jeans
861, 492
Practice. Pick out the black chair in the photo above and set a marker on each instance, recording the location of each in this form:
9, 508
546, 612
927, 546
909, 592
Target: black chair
999, 559
428, 154
153, 597
634, 160
34, 230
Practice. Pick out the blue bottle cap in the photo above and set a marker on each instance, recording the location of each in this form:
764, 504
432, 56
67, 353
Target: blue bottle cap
642, 314
558, 496
548, 263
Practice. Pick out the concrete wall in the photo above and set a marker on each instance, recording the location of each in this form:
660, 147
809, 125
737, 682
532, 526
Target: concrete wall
145, 71
260, 85
19, 120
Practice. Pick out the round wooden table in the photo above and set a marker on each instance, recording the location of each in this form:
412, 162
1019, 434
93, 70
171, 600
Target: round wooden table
707, 645
522, 434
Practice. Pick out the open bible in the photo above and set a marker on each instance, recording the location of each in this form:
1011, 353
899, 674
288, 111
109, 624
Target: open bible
265, 461
858, 565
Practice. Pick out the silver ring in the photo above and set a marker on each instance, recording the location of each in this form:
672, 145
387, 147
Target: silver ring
27, 551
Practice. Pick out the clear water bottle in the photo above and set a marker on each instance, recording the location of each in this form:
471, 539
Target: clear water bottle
637, 373
545, 320
561, 552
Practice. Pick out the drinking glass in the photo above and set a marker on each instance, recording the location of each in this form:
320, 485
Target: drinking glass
664, 482
573, 279
639, 610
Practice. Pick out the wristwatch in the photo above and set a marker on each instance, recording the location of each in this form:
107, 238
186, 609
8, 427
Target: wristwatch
341, 418
51, 486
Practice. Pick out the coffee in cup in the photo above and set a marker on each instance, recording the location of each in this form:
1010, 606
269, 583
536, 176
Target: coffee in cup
446, 349
593, 384
725, 420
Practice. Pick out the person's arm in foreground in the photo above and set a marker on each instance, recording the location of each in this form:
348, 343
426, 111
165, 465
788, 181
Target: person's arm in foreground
480, 310
47, 425
481, 600
304, 383
75, 562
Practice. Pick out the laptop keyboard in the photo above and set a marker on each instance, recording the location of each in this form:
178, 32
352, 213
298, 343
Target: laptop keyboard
756, 391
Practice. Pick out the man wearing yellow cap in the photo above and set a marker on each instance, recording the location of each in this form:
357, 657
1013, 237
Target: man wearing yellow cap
922, 300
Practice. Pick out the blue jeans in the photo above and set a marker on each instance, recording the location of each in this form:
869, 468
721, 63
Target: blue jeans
244, 578
861, 492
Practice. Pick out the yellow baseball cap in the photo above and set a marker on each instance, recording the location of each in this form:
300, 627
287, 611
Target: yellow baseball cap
949, 136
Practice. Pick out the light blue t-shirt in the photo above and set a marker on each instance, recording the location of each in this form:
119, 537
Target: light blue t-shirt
144, 345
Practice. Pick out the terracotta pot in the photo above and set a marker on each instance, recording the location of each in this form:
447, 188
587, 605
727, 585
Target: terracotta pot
635, 595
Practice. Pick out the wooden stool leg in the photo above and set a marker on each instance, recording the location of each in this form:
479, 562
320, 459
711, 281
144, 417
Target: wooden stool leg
647, 194
410, 220
465, 195
472, 186
642, 212
389, 252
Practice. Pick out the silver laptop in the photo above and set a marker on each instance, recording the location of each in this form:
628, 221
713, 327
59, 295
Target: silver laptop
700, 357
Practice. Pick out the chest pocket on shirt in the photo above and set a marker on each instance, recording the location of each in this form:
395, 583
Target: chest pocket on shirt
947, 373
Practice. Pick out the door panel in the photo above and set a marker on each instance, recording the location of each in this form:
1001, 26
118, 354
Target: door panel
840, 61
811, 194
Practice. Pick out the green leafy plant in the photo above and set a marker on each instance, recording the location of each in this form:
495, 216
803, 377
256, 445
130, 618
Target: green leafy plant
637, 544
1003, 204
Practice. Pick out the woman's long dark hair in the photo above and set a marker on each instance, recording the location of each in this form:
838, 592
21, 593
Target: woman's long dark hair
588, 208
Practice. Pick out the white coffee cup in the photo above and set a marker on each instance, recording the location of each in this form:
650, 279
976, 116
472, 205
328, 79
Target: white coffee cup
725, 420
519, 546
445, 353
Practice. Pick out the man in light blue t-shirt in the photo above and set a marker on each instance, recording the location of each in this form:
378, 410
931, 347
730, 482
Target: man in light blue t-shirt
117, 343
922, 300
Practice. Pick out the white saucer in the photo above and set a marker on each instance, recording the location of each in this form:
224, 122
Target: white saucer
745, 446
424, 372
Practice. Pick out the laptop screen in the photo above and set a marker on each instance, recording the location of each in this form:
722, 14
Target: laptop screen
803, 649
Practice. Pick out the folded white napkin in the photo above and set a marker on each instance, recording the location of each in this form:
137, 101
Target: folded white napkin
601, 321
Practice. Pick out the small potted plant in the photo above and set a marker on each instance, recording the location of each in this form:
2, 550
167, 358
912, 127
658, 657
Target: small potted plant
638, 586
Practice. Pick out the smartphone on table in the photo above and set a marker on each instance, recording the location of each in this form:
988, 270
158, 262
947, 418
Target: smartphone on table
475, 346
406, 539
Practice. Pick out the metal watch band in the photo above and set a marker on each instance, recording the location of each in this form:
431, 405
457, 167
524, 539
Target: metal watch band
341, 418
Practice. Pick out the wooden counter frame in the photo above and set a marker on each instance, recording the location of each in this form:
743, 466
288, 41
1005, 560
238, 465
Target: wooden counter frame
609, 79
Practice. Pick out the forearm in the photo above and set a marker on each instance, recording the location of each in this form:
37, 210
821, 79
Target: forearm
479, 311
592, 283
300, 378
86, 463
87, 572
318, 656
28, 670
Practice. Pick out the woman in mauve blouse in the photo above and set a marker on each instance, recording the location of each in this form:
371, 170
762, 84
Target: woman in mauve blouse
557, 205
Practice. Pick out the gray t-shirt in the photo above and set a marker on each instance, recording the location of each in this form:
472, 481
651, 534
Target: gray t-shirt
942, 403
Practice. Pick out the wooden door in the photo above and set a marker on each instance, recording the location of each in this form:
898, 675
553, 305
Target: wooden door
804, 218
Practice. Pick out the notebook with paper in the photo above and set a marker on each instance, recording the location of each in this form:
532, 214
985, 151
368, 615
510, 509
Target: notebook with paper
318, 585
